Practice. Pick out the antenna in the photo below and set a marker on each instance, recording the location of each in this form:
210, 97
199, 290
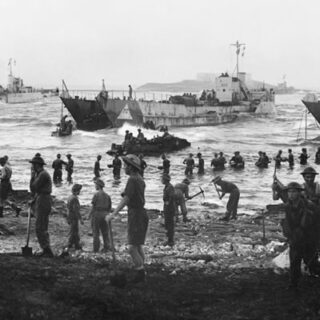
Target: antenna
238, 48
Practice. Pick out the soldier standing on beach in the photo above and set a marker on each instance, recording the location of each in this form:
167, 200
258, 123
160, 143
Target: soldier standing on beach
165, 164
101, 207
69, 168
304, 157
181, 194
6, 187
41, 186
97, 168
168, 208
133, 198
232, 205
299, 226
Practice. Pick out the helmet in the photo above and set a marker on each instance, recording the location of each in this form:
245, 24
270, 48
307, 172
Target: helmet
186, 181
76, 187
132, 160
294, 185
99, 182
309, 170
37, 160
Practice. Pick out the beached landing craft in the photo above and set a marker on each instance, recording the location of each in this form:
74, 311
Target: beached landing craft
222, 105
312, 103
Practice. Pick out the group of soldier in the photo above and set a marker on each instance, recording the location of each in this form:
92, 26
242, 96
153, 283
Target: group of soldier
302, 203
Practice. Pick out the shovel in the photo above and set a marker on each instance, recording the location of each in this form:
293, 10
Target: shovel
27, 251
117, 278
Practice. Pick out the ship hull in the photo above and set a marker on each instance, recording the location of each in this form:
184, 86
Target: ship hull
314, 108
88, 114
116, 112
22, 97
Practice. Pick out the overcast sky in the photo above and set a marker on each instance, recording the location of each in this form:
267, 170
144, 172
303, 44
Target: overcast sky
139, 41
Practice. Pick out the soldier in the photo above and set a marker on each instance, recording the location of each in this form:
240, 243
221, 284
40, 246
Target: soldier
41, 186
189, 162
101, 207
69, 167
165, 164
57, 169
127, 136
6, 187
73, 206
200, 165
215, 163
260, 163
97, 168
317, 157
237, 161
143, 164
116, 164
130, 92
290, 159
133, 197
304, 157
140, 135
299, 226
182, 193
266, 160
168, 208
221, 161
311, 188
232, 205
278, 159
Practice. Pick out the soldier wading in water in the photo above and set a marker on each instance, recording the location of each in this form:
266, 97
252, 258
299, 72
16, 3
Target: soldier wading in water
133, 198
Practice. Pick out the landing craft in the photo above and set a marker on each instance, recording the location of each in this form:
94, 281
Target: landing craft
222, 105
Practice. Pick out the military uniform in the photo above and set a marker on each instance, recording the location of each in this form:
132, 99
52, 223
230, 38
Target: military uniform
169, 211
116, 164
101, 206
299, 226
166, 166
69, 169
189, 162
57, 170
137, 216
181, 192
73, 206
201, 166
42, 186
97, 169
232, 204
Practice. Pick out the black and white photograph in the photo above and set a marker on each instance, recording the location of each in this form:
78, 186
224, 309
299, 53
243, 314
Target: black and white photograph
159, 159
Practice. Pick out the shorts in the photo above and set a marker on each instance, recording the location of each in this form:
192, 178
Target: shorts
138, 221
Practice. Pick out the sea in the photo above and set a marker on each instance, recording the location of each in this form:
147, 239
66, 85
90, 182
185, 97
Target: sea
25, 129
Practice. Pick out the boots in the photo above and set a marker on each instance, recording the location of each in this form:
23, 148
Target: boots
139, 277
47, 253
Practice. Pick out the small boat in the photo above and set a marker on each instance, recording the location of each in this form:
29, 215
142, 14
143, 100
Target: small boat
312, 103
60, 133
152, 147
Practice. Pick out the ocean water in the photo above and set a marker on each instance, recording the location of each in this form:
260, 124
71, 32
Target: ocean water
26, 129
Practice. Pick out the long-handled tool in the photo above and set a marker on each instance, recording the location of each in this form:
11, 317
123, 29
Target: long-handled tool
218, 192
117, 278
200, 192
26, 250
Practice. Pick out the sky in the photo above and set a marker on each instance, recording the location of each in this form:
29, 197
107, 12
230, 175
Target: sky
140, 41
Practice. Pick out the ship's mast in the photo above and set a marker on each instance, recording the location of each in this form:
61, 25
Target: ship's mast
10, 67
238, 48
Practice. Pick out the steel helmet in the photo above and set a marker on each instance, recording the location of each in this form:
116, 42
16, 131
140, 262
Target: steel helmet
38, 160
309, 170
132, 160
294, 185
